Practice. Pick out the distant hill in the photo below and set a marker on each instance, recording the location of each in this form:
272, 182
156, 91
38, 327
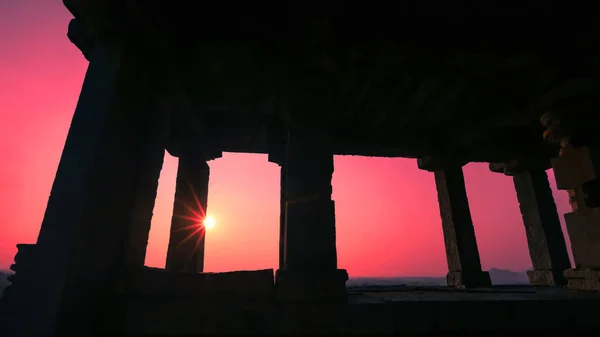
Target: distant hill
498, 276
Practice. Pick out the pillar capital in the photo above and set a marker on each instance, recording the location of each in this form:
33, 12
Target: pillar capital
516, 166
440, 162
277, 141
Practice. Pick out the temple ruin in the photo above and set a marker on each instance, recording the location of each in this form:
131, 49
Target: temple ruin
515, 101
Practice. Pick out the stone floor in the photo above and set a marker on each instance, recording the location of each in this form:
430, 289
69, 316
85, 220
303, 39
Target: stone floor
379, 310
152, 302
384, 294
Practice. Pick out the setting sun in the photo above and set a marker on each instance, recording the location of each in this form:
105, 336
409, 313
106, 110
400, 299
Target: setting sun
209, 222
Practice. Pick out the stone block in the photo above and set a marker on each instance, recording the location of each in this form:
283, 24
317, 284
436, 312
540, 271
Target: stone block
546, 277
583, 227
255, 285
583, 279
470, 279
326, 286
573, 168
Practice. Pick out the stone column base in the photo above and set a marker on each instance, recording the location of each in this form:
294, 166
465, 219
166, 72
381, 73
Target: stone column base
546, 277
312, 285
461, 279
583, 279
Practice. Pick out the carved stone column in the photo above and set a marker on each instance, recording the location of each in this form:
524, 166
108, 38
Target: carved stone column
577, 170
545, 239
459, 235
185, 252
310, 256
83, 242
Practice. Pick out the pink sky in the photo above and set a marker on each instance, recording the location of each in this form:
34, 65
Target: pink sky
388, 221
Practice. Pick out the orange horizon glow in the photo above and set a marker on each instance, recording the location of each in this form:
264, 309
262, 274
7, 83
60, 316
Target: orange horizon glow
387, 214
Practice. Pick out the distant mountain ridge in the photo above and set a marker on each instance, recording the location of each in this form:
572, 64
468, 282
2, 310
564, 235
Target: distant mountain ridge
498, 276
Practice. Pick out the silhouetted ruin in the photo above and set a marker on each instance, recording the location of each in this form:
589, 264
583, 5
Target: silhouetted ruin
302, 87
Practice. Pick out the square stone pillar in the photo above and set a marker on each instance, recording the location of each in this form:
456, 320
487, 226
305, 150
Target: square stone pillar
282, 217
310, 257
83, 242
459, 235
545, 238
185, 252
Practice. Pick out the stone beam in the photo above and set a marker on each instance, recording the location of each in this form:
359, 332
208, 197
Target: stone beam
185, 252
82, 244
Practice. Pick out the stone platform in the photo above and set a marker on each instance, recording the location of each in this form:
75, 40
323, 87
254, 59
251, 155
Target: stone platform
152, 309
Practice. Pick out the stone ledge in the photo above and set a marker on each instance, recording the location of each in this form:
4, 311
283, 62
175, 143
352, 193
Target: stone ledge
159, 282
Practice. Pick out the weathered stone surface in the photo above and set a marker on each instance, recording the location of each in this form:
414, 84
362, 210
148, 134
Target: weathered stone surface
546, 277
583, 227
573, 168
85, 227
545, 239
459, 235
187, 234
583, 278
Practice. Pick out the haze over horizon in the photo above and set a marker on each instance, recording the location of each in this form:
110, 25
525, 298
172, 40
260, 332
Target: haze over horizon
388, 221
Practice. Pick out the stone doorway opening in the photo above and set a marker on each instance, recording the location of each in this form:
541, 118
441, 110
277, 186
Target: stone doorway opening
387, 219
243, 199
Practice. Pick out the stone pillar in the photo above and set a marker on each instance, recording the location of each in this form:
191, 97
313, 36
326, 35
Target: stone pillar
187, 236
459, 235
276, 143
545, 239
576, 170
310, 256
82, 244
282, 218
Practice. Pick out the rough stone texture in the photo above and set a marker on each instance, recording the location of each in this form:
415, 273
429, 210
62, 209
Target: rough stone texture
583, 278
545, 239
459, 236
583, 227
85, 229
310, 256
573, 168
576, 171
541, 277
187, 235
